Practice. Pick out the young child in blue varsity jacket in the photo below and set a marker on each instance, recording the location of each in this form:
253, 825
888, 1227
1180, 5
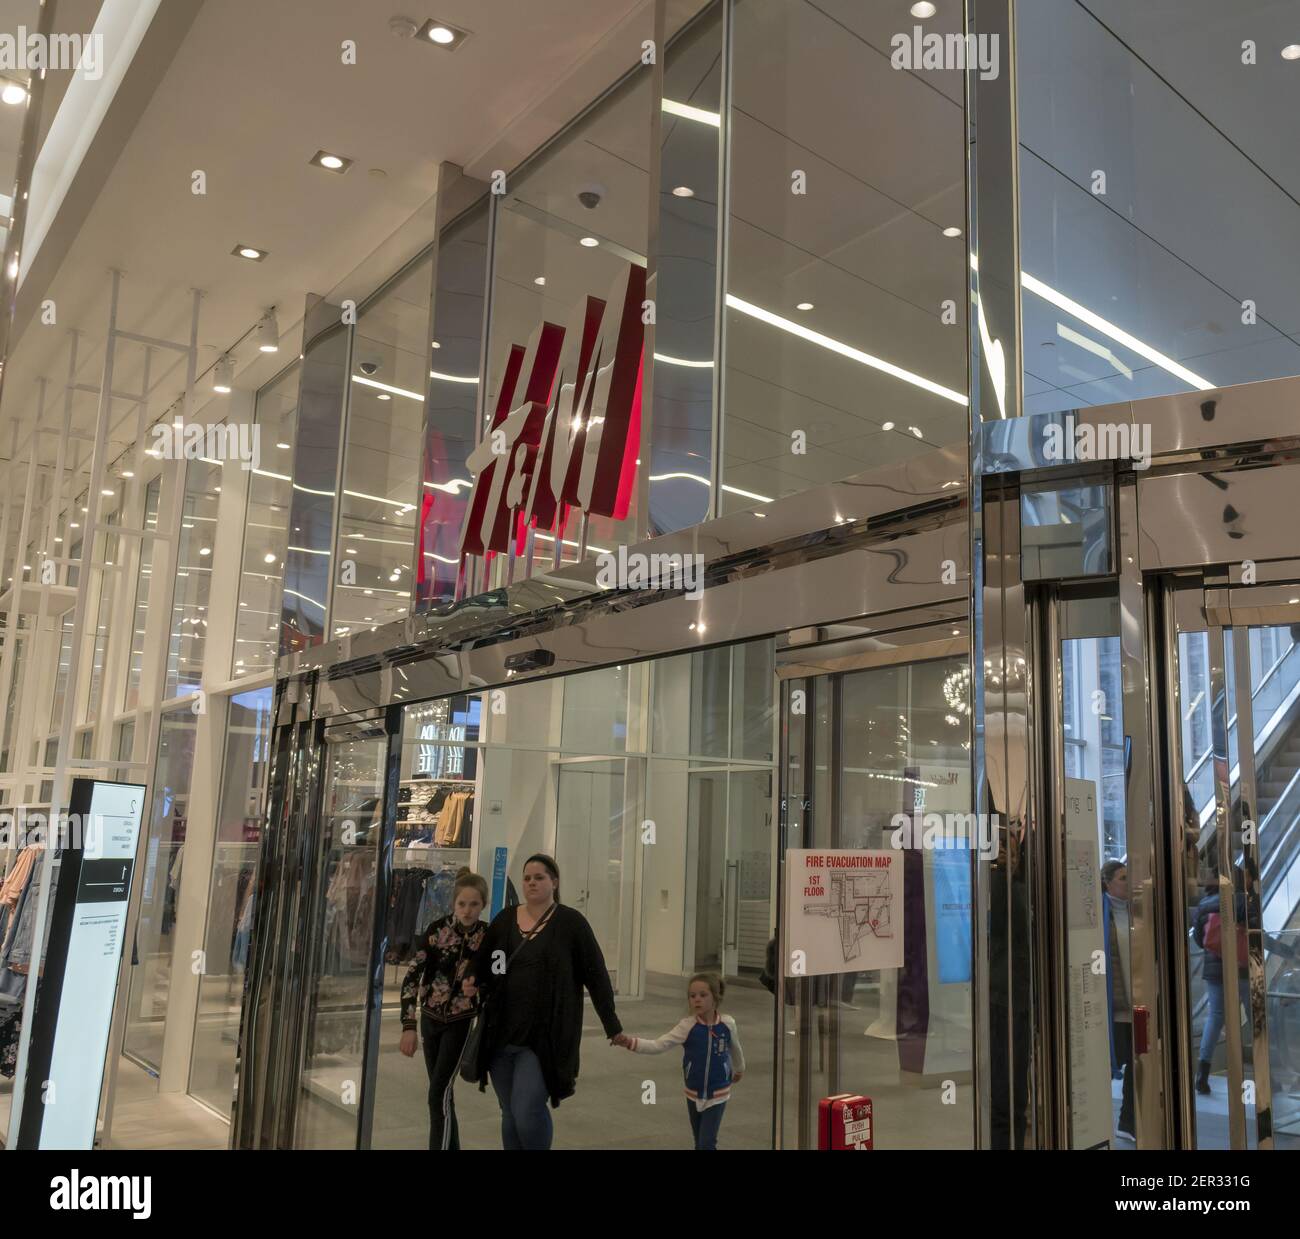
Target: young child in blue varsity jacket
712, 1060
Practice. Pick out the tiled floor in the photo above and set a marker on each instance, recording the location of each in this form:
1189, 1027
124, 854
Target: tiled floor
143, 1118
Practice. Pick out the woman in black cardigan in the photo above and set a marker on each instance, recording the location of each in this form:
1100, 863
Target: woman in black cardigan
533, 1009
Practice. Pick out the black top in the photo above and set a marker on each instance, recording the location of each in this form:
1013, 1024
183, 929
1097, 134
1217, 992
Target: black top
433, 981
542, 1001
521, 992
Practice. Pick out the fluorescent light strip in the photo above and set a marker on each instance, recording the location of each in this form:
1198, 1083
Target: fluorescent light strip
304, 597
453, 378
844, 350
442, 559
1094, 347
1120, 336
397, 391
695, 477
687, 112
682, 361
451, 487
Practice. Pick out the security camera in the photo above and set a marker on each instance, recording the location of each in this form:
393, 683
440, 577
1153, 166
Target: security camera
590, 196
369, 367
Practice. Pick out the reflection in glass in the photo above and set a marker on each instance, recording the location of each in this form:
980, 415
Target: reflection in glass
164, 857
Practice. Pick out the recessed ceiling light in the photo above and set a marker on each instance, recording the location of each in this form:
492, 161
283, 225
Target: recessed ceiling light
804, 305
331, 163
922, 9
383, 395
887, 426
269, 557
127, 473
205, 550
251, 252
284, 447
952, 232
683, 191
540, 281
14, 93
441, 34
589, 242
434, 344
1290, 52
916, 432
108, 494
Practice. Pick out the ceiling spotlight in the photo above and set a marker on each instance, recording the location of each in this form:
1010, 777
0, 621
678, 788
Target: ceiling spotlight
268, 333
804, 305
383, 395
284, 447
1290, 52
683, 191
952, 232
251, 252
442, 35
15, 93
205, 550
540, 281
887, 426
916, 432
589, 242
922, 9
108, 494
331, 163
269, 557
223, 377
127, 473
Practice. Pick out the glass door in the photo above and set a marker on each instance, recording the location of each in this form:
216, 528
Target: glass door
314, 991
1237, 833
875, 738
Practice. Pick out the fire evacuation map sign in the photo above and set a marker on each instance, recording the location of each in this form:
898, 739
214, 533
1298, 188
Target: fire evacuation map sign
844, 911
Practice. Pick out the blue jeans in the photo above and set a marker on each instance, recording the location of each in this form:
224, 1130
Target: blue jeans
516, 1076
1216, 1015
705, 1124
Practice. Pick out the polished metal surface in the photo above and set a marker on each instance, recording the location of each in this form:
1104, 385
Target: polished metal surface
1178, 613
1226, 807
1246, 881
1144, 836
1217, 516
1065, 532
816, 522
891, 574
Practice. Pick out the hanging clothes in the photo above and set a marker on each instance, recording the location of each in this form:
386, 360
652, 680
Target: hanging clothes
454, 819
436, 900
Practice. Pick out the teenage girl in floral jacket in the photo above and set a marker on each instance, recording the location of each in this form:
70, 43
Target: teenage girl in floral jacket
432, 992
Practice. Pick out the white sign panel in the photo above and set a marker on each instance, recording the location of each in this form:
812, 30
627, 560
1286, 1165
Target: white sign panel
843, 911
94, 951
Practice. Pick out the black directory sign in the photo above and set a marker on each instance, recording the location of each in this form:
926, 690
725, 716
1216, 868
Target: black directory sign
74, 1005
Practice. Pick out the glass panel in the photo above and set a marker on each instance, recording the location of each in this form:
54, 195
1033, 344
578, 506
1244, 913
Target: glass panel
140, 613
1277, 910
193, 580
1097, 896
559, 766
339, 987
160, 889
685, 291
885, 742
1133, 285
845, 344
266, 540
453, 394
230, 899
381, 475
571, 226
109, 582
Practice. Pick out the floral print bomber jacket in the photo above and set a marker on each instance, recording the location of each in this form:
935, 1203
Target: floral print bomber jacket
433, 981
